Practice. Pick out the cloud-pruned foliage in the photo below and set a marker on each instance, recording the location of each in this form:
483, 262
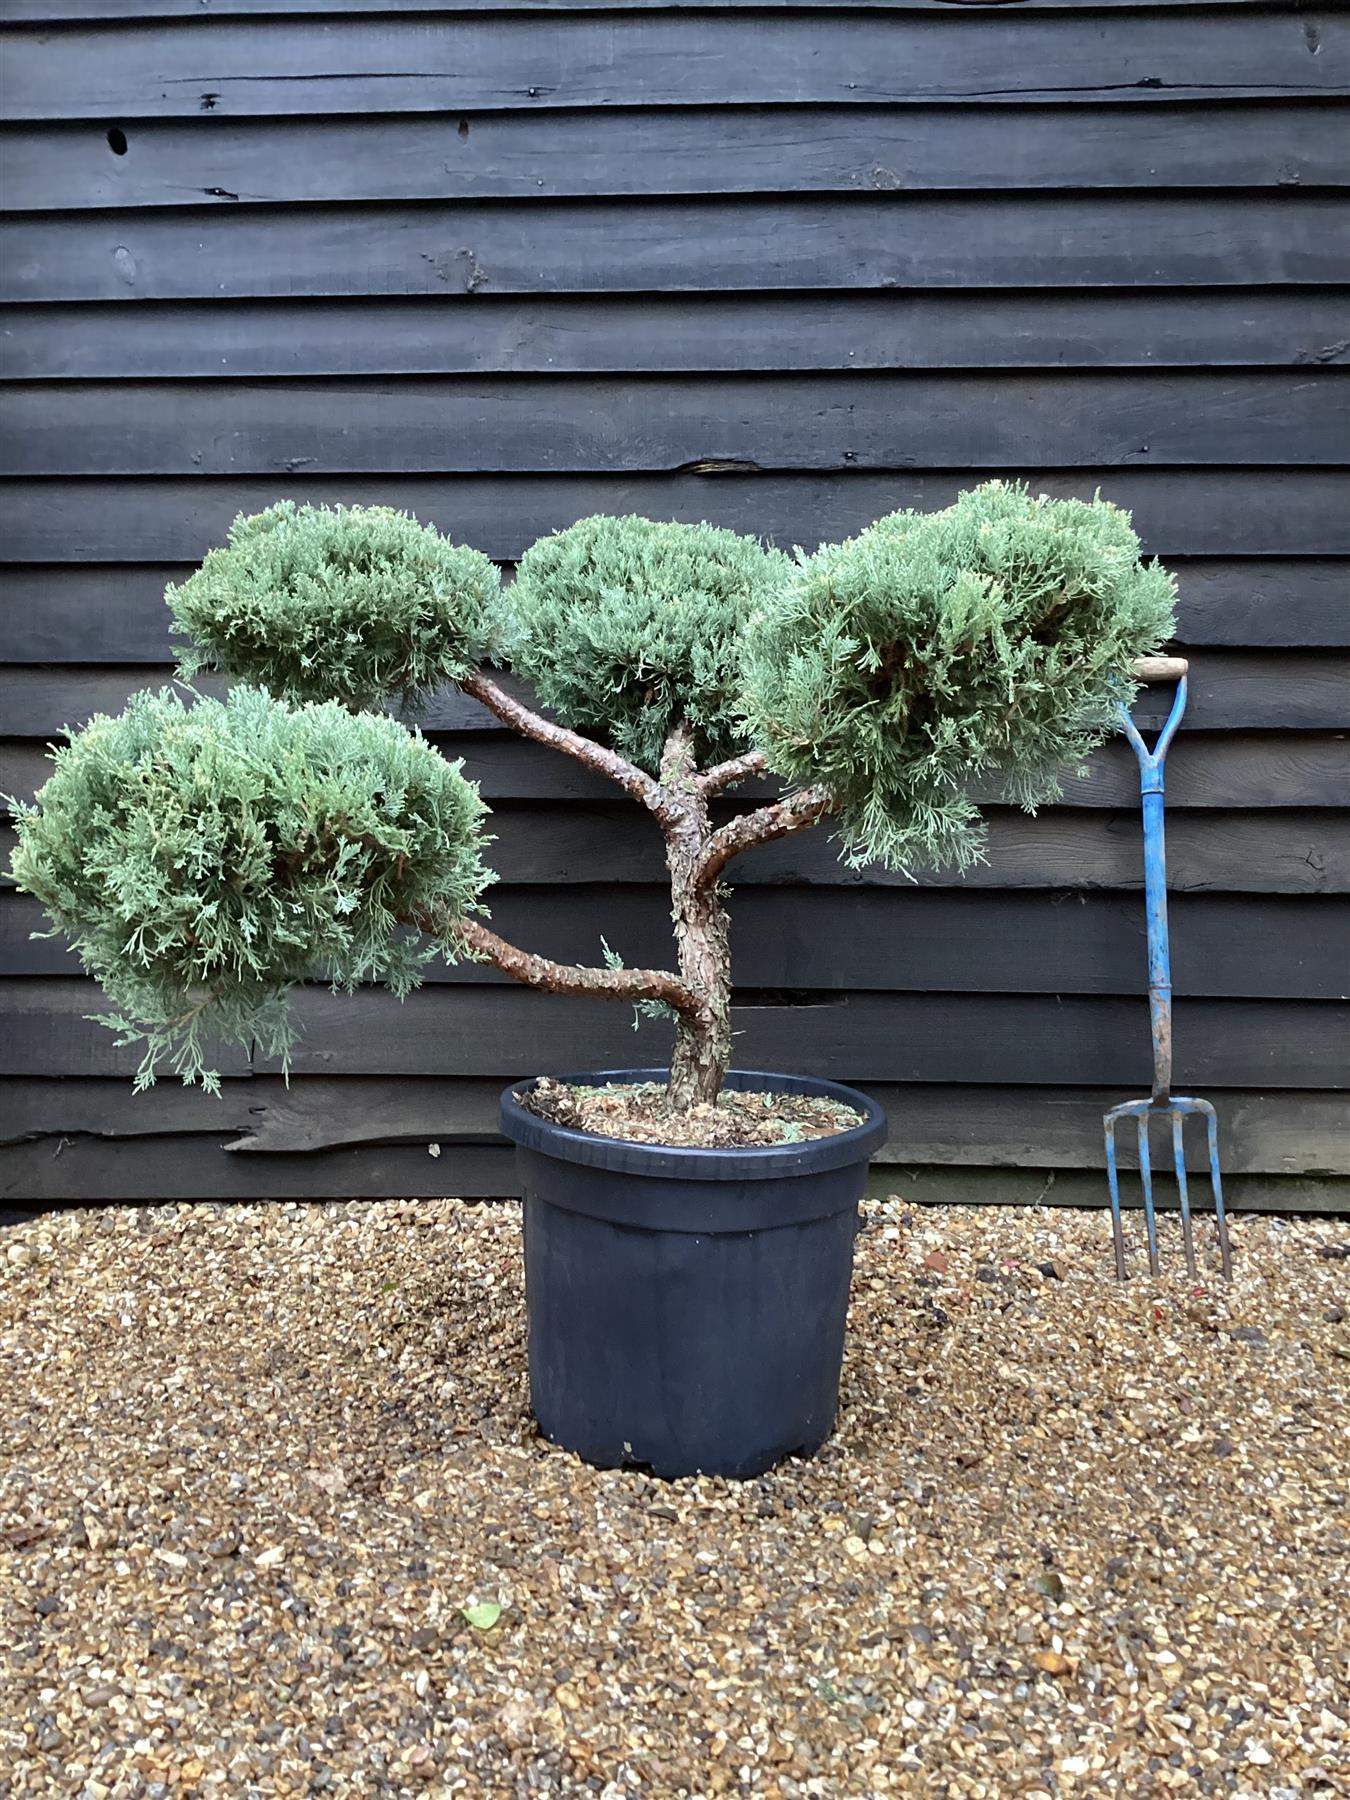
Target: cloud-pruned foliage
356, 603
994, 637
624, 626
203, 859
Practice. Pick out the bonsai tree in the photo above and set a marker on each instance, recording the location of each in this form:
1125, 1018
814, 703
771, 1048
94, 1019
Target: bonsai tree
204, 858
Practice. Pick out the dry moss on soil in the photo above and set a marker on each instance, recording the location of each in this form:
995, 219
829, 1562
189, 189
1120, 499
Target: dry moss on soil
640, 1112
1069, 1539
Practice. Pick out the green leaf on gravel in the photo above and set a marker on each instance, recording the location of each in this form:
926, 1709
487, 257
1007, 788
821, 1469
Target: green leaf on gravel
483, 1616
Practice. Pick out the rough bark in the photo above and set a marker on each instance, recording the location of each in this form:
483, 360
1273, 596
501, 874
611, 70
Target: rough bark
563, 978
780, 819
702, 1040
726, 774
699, 997
604, 761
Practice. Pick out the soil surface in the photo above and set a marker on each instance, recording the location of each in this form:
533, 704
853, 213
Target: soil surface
640, 1113
274, 1521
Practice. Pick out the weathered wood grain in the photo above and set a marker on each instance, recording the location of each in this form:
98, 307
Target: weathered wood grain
115, 613
1236, 512
462, 249
924, 940
136, 1170
281, 67
63, 1170
535, 424
686, 150
1230, 690
1006, 237
1236, 771
981, 1038
17, 12
1284, 852
561, 335
967, 1127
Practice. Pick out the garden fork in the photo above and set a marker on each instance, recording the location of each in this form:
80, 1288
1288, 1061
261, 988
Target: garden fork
1162, 1103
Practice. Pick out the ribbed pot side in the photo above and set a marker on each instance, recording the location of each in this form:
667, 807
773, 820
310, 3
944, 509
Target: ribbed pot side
686, 1307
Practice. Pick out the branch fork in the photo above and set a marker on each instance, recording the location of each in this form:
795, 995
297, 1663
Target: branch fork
696, 853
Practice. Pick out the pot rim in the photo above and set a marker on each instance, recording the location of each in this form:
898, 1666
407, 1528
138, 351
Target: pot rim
691, 1162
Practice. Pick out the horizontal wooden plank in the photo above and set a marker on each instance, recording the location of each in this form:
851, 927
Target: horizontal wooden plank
286, 67
1236, 771
52, 1172
989, 1038
556, 334
20, 12
686, 150
962, 1127
137, 1170
1278, 601
920, 940
1229, 691
459, 249
1285, 852
1253, 770
101, 613
529, 424
928, 1186
1275, 512
59, 1034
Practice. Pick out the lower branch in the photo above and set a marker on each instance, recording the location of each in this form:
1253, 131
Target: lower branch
797, 812
563, 978
727, 774
599, 757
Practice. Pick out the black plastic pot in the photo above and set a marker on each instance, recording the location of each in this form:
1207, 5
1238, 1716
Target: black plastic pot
686, 1307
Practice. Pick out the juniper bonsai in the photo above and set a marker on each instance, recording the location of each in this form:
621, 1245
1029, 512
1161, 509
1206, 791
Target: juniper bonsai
204, 858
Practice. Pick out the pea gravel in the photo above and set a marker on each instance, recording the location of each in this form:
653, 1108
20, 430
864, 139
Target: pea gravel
260, 1468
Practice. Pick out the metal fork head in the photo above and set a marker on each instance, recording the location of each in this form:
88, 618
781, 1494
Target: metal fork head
1175, 1109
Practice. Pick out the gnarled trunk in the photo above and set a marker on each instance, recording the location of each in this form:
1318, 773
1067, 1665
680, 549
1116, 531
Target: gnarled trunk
702, 1043
703, 1040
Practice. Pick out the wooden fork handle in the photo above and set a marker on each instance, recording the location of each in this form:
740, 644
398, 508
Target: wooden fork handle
1160, 668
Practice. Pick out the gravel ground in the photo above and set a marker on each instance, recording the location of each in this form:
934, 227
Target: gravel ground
267, 1476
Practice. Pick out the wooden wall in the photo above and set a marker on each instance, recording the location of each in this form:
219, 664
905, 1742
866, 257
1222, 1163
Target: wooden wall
785, 268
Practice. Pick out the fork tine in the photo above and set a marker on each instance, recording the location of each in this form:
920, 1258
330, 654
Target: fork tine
1220, 1217
1113, 1184
1179, 1163
1146, 1177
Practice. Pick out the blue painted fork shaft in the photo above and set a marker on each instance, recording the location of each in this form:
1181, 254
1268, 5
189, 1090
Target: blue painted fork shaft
1155, 911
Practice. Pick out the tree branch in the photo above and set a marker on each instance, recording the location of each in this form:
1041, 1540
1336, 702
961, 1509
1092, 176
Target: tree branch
481, 687
727, 774
562, 978
780, 819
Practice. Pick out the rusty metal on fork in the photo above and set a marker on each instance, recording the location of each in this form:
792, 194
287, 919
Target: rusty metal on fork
1162, 1102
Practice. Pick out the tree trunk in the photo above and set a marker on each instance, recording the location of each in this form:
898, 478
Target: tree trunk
702, 1044
703, 1041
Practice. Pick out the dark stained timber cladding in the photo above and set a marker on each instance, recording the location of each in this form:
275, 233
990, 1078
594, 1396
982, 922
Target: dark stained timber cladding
1230, 770
786, 267
1286, 851
946, 1038
1230, 691
115, 613
286, 67
690, 150
18, 12
55, 1171
547, 425
882, 241
1187, 512
736, 333
1262, 1133
1248, 946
